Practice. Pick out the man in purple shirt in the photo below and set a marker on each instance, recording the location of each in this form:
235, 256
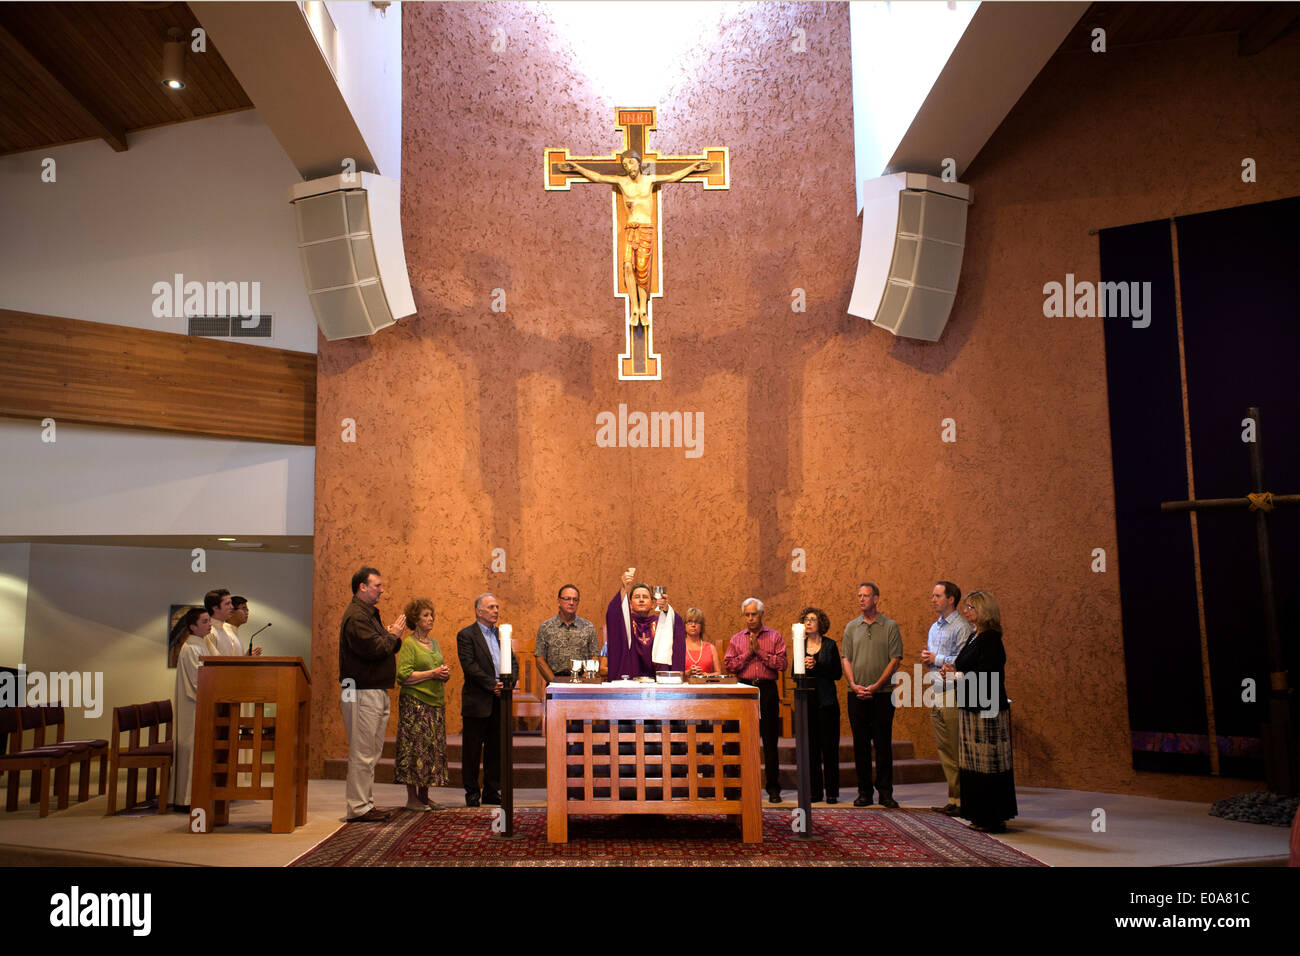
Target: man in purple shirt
757, 657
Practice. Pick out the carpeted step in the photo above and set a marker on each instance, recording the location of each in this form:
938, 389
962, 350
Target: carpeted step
532, 748
905, 771
528, 747
526, 775
903, 750
530, 764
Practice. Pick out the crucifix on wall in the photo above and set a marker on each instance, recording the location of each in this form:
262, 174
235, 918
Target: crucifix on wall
636, 175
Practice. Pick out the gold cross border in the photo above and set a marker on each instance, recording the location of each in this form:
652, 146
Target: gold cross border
636, 123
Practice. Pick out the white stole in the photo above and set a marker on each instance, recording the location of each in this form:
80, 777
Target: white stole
662, 652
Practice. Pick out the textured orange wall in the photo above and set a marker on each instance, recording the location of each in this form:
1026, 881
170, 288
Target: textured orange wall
476, 429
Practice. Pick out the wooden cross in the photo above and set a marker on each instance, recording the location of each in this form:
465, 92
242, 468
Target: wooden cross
1279, 745
639, 360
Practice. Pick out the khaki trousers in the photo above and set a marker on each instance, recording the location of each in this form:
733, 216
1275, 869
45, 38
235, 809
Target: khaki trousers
365, 720
945, 721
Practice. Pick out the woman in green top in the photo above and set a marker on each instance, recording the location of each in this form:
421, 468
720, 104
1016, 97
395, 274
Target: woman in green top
421, 715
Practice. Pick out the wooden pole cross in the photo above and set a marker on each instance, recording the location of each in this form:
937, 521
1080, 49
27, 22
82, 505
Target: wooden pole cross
1279, 743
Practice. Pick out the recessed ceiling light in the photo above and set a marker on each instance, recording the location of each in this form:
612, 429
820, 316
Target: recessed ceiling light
226, 539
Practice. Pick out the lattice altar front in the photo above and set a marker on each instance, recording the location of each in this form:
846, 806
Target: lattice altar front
652, 748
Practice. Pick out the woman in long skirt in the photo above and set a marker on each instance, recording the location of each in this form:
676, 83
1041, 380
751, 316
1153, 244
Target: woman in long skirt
421, 712
988, 782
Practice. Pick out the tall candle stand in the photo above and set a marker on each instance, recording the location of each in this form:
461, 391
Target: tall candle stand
804, 688
507, 758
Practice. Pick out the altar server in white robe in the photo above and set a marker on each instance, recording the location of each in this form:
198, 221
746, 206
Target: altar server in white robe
222, 641
225, 640
195, 628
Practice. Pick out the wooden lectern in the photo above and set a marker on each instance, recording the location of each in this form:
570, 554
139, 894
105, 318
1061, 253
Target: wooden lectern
220, 733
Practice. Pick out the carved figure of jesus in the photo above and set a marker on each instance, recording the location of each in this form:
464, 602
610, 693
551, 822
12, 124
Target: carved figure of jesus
637, 189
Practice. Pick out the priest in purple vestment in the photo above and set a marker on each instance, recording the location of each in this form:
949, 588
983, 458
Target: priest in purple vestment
641, 639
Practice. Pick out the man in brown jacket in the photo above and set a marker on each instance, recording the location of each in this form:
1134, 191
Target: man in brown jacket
367, 671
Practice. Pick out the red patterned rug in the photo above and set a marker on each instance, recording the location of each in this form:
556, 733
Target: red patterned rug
463, 837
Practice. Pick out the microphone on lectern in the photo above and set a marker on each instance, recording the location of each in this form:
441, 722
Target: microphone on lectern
255, 633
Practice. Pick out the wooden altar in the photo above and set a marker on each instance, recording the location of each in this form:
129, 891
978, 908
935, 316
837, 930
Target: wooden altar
221, 734
652, 748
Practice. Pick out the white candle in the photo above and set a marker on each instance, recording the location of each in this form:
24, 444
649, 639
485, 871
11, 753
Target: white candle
505, 648
796, 631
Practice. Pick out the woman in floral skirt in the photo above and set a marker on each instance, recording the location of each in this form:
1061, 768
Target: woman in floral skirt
421, 712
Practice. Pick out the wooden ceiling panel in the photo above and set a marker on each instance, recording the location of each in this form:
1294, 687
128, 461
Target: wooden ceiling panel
75, 71
1129, 24
71, 101
30, 116
86, 78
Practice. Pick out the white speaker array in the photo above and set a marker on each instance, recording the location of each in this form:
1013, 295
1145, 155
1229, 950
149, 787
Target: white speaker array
913, 237
350, 241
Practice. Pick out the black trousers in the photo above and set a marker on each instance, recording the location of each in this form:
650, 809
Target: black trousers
482, 737
872, 722
769, 729
824, 749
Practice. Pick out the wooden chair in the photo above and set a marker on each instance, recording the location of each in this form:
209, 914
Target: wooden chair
42, 761
785, 704
160, 732
136, 756
153, 720
720, 655
33, 719
165, 716
528, 698
53, 717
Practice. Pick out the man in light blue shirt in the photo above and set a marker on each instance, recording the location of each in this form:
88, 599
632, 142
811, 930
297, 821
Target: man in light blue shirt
492, 639
947, 635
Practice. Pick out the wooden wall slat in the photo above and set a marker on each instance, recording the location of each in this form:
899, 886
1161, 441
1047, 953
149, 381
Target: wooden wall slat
92, 373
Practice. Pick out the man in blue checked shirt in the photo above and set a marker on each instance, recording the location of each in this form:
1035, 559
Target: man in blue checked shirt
947, 635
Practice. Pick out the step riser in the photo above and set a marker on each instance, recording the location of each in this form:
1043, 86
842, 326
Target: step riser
533, 776
532, 749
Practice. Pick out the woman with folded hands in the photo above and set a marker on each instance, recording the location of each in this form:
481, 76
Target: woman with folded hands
422, 674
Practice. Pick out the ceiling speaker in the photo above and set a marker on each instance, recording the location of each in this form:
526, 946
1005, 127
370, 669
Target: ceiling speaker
350, 241
913, 236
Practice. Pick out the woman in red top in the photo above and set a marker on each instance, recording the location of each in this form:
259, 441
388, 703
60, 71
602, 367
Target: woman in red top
700, 658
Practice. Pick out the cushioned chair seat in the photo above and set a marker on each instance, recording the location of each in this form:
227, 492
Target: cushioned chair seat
150, 750
63, 748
